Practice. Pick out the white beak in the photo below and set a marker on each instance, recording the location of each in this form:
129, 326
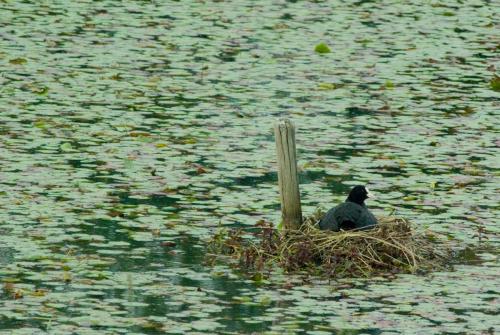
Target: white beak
369, 194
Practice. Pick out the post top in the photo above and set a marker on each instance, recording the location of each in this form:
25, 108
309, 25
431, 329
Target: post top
284, 122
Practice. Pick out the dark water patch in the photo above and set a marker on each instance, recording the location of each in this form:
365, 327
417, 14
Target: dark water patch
425, 208
154, 68
266, 178
12, 324
281, 94
303, 99
434, 171
160, 115
157, 200
228, 55
474, 158
111, 230
6, 255
85, 163
471, 255
359, 111
330, 113
175, 101
272, 207
388, 173
308, 177
391, 170
370, 24
362, 2
111, 177
342, 153
336, 184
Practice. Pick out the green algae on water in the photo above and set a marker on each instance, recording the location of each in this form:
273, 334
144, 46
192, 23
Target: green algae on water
322, 48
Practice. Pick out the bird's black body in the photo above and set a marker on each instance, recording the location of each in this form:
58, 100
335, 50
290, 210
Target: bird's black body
351, 214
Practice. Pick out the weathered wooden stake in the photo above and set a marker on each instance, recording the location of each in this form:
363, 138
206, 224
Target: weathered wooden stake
291, 213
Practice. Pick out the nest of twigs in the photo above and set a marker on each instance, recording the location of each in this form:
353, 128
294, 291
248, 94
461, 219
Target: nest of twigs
393, 246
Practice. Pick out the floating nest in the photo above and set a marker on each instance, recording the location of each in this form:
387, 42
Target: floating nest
393, 246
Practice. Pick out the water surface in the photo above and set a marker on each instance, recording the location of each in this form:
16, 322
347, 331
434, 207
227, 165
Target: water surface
127, 124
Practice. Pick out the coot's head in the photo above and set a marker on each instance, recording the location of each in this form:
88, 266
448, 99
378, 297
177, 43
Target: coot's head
359, 194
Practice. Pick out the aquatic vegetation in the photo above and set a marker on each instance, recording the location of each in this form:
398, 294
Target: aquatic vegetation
130, 130
495, 83
393, 246
322, 48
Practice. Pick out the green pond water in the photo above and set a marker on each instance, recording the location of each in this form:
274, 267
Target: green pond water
128, 124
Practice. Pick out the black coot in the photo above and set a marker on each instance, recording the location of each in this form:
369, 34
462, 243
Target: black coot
351, 214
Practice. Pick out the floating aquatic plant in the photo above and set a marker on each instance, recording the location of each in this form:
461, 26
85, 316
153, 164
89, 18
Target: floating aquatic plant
495, 83
327, 86
322, 48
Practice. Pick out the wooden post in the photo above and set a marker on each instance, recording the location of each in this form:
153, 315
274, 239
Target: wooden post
291, 213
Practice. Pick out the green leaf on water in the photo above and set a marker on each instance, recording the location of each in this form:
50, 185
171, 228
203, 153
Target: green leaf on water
265, 301
258, 277
205, 325
66, 147
116, 76
40, 124
243, 299
280, 225
326, 86
495, 83
322, 48
160, 145
128, 163
389, 84
18, 61
41, 90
